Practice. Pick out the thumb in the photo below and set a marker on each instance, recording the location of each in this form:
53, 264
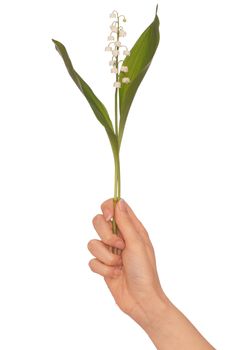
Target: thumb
124, 222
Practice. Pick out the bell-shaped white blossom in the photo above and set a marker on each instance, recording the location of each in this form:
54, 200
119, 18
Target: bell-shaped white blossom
117, 49
117, 84
122, 33
124, 69
114, 70
114, 28
113, 14
125, 80
126, 52
117, 43
115, 53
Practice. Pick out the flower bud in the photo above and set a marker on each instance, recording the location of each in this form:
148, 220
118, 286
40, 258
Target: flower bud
125, 80
126, 52
114, 70
115, 53
122, 33
124, 69
117, 84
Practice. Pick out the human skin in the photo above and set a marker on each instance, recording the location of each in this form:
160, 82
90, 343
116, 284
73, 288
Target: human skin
132, 278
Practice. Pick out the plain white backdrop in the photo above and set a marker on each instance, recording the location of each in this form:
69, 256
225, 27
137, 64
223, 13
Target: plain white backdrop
57, 168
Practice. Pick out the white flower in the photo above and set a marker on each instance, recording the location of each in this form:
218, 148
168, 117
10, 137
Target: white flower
117, 84
117, 49
126, 52
113, 15
115, 53
122, 33
117, 43
126, 80
114, 70
124, 69
114, 28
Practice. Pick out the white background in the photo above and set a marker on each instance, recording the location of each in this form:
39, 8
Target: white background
57, 168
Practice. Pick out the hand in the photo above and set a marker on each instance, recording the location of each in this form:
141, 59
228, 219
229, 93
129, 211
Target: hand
134, 283
131, 276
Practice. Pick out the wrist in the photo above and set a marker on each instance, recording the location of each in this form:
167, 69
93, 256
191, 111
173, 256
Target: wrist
169, 328
154, 311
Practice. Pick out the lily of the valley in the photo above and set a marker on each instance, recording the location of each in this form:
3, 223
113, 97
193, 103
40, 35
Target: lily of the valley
116, 48
126, 52
114, 70
129, 72
117, 84
126, 80
122, 33
124, 69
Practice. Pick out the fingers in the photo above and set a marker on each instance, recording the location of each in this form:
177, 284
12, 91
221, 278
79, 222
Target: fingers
104, 230
104, 270
108, 210
125, 223
102, 253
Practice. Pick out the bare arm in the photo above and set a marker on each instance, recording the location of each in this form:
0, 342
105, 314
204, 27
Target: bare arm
133, 280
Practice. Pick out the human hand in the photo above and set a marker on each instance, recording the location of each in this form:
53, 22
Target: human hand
132, 275
133, 280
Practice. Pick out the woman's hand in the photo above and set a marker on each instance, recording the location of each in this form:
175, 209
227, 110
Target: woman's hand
133, 280
131, 276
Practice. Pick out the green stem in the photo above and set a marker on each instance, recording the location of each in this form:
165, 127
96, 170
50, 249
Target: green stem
116, 90
116, 111
117, 186
117, 176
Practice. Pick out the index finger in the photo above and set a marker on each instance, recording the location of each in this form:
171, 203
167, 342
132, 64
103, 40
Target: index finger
107, 208
104, 230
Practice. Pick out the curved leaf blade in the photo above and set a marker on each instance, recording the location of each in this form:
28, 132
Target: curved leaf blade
97, 106
138, 63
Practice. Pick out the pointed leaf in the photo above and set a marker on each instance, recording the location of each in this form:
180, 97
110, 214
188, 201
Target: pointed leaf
138, 63
96, 105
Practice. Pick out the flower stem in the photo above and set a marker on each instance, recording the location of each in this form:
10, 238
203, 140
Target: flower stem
117, 176
117, 186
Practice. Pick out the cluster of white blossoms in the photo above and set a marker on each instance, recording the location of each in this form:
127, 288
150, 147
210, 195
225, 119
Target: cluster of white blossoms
115, 46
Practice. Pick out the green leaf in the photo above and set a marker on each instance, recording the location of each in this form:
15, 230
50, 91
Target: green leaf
138, 63
96, 105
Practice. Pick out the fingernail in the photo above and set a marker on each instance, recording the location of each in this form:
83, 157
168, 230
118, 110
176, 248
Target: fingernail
122, 205
107, 215
120, 244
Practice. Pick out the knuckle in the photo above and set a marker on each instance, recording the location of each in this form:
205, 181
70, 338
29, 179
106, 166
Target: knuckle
105, 203
103, 206
90, 244
108, 271
96, 219
91, 264
142, 231
114, 259
108, 240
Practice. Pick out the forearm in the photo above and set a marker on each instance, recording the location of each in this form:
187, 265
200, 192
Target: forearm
169, 329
